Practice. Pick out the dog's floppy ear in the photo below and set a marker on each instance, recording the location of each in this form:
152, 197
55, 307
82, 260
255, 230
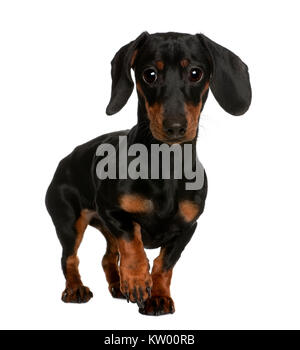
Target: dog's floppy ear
229, 82
122, 84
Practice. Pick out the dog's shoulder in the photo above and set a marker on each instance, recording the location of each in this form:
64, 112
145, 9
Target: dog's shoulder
81, 158
91, 146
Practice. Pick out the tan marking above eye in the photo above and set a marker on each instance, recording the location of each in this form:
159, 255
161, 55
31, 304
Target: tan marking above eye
133, 203
184, 63
160, 65
188, 210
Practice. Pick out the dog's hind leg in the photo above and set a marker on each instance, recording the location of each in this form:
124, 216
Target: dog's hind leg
75, 291
70, 223
110, 261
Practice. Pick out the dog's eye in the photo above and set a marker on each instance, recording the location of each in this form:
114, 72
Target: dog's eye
195, 74
149, 75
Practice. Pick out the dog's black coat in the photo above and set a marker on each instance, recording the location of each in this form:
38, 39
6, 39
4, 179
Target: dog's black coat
75, 185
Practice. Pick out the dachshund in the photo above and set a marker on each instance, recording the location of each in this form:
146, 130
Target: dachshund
173, 73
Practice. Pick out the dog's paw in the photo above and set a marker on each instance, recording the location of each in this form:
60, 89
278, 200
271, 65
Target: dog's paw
78, 295
156, 306
136, 290
115, 291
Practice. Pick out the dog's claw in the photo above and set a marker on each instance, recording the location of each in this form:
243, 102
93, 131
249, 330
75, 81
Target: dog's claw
171, 307
140, 300
134, 294
148, 289
140, 303
127, 296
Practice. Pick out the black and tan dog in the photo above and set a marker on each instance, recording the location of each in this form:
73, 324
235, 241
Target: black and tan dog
173, 75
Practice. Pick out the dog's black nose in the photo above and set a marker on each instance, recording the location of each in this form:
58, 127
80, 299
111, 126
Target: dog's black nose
175, 130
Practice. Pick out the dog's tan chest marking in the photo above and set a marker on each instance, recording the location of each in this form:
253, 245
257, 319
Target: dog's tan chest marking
133, 203
188, 210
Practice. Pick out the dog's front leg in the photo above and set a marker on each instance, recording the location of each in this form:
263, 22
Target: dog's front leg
135, 280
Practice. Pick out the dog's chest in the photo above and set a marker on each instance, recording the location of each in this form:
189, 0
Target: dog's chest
162, 210
165, 211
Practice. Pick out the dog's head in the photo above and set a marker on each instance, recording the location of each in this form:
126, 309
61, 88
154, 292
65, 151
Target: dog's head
173, 74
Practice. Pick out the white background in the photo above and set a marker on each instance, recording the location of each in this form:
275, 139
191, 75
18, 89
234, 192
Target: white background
241, 269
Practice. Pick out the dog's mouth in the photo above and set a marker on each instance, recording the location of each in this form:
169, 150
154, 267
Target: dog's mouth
170, 141
173, 141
